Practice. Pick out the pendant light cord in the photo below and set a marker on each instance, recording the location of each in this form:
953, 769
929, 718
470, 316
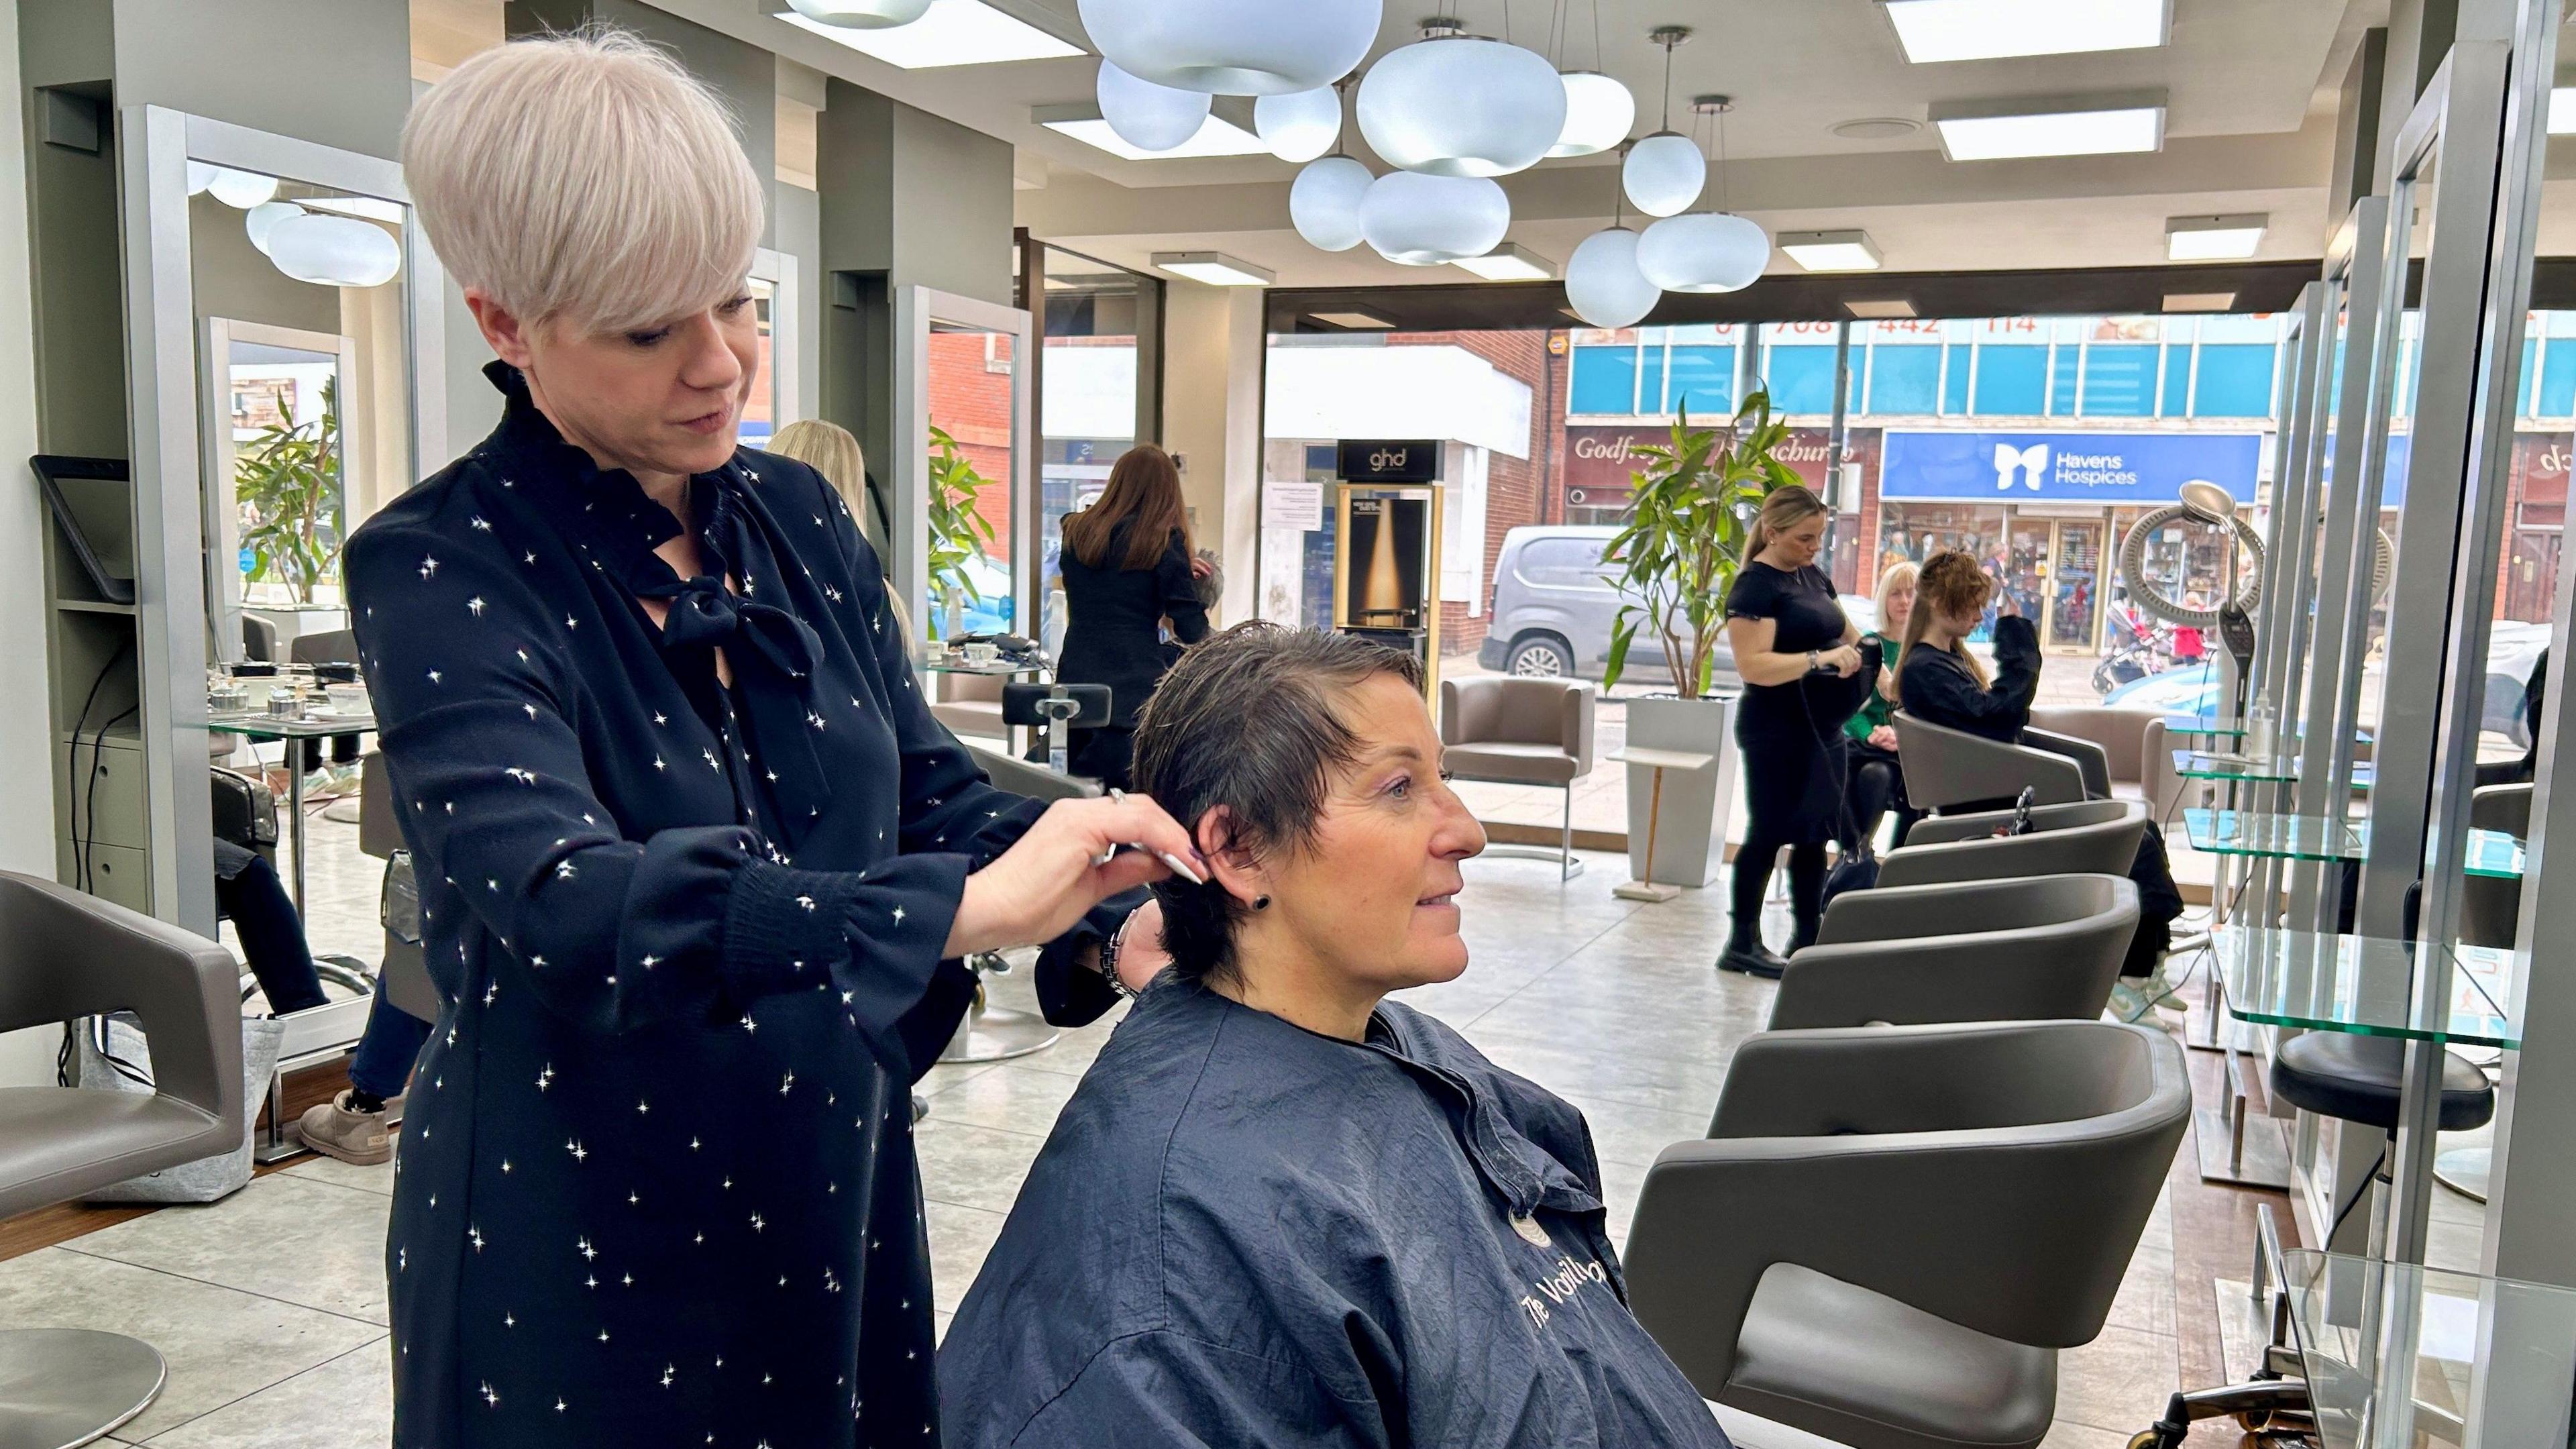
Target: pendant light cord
1668, 85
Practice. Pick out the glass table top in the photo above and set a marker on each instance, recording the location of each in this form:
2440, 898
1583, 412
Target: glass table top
299, 727
2264, 833
2490, 853
2364, 986
2486, 1363
2224, 765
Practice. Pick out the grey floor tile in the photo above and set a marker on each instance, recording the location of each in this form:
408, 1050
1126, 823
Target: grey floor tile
338, 1405
959, 1239
378, 1179
2065, 1435
973, 1166
285, 1237
2119, 1381
1625, 1132
1015, 1097
221, 1343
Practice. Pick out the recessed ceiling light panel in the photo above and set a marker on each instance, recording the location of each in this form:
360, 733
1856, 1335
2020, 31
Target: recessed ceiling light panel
2214, 238
1938, 30
1831, 251
2199, 301
1216, 269
952, 32
1510, 262
1879, 309
1997, 130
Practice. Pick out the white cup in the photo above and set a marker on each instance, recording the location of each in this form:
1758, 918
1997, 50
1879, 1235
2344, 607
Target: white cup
982, 653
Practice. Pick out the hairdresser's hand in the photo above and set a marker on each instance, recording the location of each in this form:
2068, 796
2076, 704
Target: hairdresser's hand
1141, 956
1201, 568
1843, 659
1047, 881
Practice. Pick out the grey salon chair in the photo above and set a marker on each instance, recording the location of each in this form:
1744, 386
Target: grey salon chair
328, 646
1890, 1232
64, 956
2003, 950
259, 640
1946, 767
2491, 909
1513, 731
970, 704
2097, 837
404, 978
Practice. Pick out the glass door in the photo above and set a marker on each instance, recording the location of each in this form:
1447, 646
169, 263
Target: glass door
2075, 593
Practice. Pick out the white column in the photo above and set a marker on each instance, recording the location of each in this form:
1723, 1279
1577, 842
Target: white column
1212, 353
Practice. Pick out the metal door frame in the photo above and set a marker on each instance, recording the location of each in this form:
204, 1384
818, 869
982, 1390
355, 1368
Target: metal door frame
916, 309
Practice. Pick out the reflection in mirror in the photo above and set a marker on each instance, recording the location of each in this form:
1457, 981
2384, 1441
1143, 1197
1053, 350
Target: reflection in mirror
760, 415
973, 559
304, 391
1088, 400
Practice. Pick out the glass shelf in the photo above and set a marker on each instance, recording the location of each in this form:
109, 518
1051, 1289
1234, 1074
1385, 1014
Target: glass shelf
2223, 766
2363, 986
2484, 1362
2279, 837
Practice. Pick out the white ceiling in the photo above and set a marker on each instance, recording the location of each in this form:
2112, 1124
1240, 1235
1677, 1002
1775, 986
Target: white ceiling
2251, 86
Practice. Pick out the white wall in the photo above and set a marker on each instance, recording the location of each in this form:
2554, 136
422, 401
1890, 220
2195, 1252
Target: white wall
26, 784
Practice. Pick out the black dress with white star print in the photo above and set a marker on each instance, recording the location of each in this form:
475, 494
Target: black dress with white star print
657, 1183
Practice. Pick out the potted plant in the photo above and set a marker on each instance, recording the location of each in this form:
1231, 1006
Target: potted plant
957, 532
1690, 519
287, 482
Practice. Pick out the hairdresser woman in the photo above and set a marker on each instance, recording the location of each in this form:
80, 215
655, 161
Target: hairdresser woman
1127, 567
696, 863
1803, 677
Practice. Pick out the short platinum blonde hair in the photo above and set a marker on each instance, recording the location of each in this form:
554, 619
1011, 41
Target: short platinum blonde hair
584, 179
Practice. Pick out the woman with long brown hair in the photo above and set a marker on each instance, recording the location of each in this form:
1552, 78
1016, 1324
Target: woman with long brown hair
1127, 568
1803, 674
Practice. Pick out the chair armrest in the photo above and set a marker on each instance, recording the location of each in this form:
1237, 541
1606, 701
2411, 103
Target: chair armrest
65, 954
1579, 713
1967, 860
1946, 767
2089, 757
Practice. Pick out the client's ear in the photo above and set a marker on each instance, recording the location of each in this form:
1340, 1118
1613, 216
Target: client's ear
1231, 863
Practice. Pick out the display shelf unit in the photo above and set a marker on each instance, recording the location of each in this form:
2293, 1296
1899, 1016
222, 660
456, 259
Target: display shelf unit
102, 801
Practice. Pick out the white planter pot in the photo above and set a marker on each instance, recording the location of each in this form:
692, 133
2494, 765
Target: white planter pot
1689, 828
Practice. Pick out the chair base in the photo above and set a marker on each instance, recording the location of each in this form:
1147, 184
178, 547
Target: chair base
2464, 1170
61, 1387
1573, 866
992, 1034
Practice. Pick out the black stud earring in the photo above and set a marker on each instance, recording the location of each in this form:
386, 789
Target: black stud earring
1261, 903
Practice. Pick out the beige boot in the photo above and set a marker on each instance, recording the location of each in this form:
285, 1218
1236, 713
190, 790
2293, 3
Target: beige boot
335, 1130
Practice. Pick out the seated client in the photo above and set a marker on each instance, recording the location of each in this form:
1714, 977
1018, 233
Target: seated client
1281, 1210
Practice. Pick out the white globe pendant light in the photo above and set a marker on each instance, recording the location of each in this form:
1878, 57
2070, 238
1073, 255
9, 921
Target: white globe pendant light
1423, 221
241, 190
1147, 116
334, 251
1300, 125
262, 219
1705, 251
1462, 105
1235, 47
1663, 174
1325, 202
201, 174
1602, 282
1598, 113
861, 14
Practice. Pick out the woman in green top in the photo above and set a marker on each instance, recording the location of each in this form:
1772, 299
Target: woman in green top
1877, 783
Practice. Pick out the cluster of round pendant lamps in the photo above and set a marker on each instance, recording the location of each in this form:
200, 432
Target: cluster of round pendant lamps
320, 247
1450, 113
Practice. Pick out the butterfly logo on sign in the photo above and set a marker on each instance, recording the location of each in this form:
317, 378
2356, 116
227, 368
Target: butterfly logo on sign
2029, 462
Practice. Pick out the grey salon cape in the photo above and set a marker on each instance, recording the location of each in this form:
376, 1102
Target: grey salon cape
1244, 1233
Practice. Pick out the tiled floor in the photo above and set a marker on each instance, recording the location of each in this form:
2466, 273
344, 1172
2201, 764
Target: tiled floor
270, 1305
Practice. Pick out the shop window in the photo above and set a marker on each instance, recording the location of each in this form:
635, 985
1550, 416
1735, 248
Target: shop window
1904, 379
1604, 380
2011, 380
2177, 396
1954, 380
2235, 381
1801, 379
2120, 380
2557, 385
2062, 384
1650, 380
1701, 382
2527, 387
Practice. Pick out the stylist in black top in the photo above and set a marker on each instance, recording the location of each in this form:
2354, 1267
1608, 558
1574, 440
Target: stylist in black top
1803, 676
1127, 567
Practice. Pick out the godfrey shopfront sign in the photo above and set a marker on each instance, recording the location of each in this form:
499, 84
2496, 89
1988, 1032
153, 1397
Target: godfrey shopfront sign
2106, 468
1601, 463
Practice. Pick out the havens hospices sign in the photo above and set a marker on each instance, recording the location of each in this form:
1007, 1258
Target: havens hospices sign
2104, 468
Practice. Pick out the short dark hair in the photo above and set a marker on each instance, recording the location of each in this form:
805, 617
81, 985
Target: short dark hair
1250, 720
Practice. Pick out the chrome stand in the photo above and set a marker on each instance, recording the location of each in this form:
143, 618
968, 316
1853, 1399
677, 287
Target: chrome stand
61, 1386
991, 1033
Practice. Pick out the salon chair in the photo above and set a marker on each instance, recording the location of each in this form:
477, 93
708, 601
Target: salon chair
1890, 1232
2096, 837
1946, 768
2490, 908
1512, 731
2118, 730
64, 956
329, 646
2032, 949
404, 978
969, 704
2163, 789
259, 640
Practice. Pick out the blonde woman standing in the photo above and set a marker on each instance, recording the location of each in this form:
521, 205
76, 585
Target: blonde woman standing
829, 449
1803, 676
696, 863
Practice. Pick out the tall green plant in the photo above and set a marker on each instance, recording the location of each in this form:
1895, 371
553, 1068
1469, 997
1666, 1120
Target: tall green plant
1689, 521
957, 532
289, 481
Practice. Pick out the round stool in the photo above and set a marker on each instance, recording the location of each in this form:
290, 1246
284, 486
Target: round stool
2357, 1078
70, 1385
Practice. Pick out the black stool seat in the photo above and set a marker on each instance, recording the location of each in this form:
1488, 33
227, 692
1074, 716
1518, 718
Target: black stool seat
2356, 1078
